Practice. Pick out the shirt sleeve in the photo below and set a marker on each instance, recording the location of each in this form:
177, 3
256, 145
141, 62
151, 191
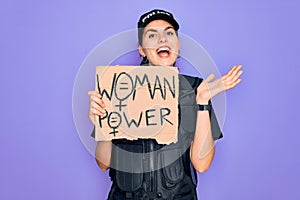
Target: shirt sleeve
215, 128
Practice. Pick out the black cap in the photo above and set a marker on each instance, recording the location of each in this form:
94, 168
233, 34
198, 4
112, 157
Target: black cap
155, 14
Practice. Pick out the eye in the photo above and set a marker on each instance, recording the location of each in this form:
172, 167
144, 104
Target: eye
170, 33
151, 35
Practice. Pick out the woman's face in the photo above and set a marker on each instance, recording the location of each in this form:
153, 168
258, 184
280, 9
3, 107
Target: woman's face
160, 43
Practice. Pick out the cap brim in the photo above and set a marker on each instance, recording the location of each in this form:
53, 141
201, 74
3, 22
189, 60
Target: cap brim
172, 21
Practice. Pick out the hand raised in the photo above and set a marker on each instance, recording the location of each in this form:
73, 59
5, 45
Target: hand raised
209, 88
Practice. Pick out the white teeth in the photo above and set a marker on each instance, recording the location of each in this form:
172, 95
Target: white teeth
163, 49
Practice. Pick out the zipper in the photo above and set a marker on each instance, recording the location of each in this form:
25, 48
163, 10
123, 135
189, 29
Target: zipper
153, 172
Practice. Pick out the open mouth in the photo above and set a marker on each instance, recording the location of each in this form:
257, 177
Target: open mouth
163, 51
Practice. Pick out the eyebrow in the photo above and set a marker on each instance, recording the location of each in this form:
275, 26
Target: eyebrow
154, 30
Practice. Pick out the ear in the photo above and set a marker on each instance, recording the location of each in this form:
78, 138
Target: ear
141, 50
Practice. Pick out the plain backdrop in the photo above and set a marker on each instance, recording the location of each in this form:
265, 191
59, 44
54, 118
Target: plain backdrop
43, 44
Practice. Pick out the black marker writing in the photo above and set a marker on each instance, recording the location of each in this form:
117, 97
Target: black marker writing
114, 121
151, 117
124, 86
102, 92
133, 121
148, 116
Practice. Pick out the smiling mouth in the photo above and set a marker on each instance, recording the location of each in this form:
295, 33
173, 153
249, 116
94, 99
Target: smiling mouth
163, 51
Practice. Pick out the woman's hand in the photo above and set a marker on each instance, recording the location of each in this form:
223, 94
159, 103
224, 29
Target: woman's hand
103, 150
97, 106
209, 88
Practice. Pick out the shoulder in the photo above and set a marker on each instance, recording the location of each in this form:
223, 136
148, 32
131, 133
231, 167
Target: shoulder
192, 80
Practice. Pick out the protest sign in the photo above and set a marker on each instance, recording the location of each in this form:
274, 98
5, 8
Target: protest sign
140, 102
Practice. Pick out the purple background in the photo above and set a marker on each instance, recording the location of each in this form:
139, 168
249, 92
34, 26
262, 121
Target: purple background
43, 44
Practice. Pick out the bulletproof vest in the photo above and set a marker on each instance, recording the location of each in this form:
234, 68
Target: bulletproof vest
144, 169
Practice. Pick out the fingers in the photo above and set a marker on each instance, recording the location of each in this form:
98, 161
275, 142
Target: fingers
233, 71
236, 70
97, 100
94, 111
97, 105
94, 93
99, 110
232, 78
232, 85
233, 74
236, 74
210, 78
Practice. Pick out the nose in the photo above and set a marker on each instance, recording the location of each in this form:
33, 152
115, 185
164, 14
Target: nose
162, 38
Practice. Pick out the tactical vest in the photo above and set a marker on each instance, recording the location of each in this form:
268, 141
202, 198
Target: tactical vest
144, 169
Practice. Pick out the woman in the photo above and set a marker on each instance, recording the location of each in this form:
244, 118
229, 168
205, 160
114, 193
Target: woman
159, 46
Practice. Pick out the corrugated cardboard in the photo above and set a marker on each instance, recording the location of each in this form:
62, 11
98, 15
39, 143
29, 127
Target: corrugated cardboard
141, 102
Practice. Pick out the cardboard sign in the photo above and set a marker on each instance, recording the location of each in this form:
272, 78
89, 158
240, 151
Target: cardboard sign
141, 102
